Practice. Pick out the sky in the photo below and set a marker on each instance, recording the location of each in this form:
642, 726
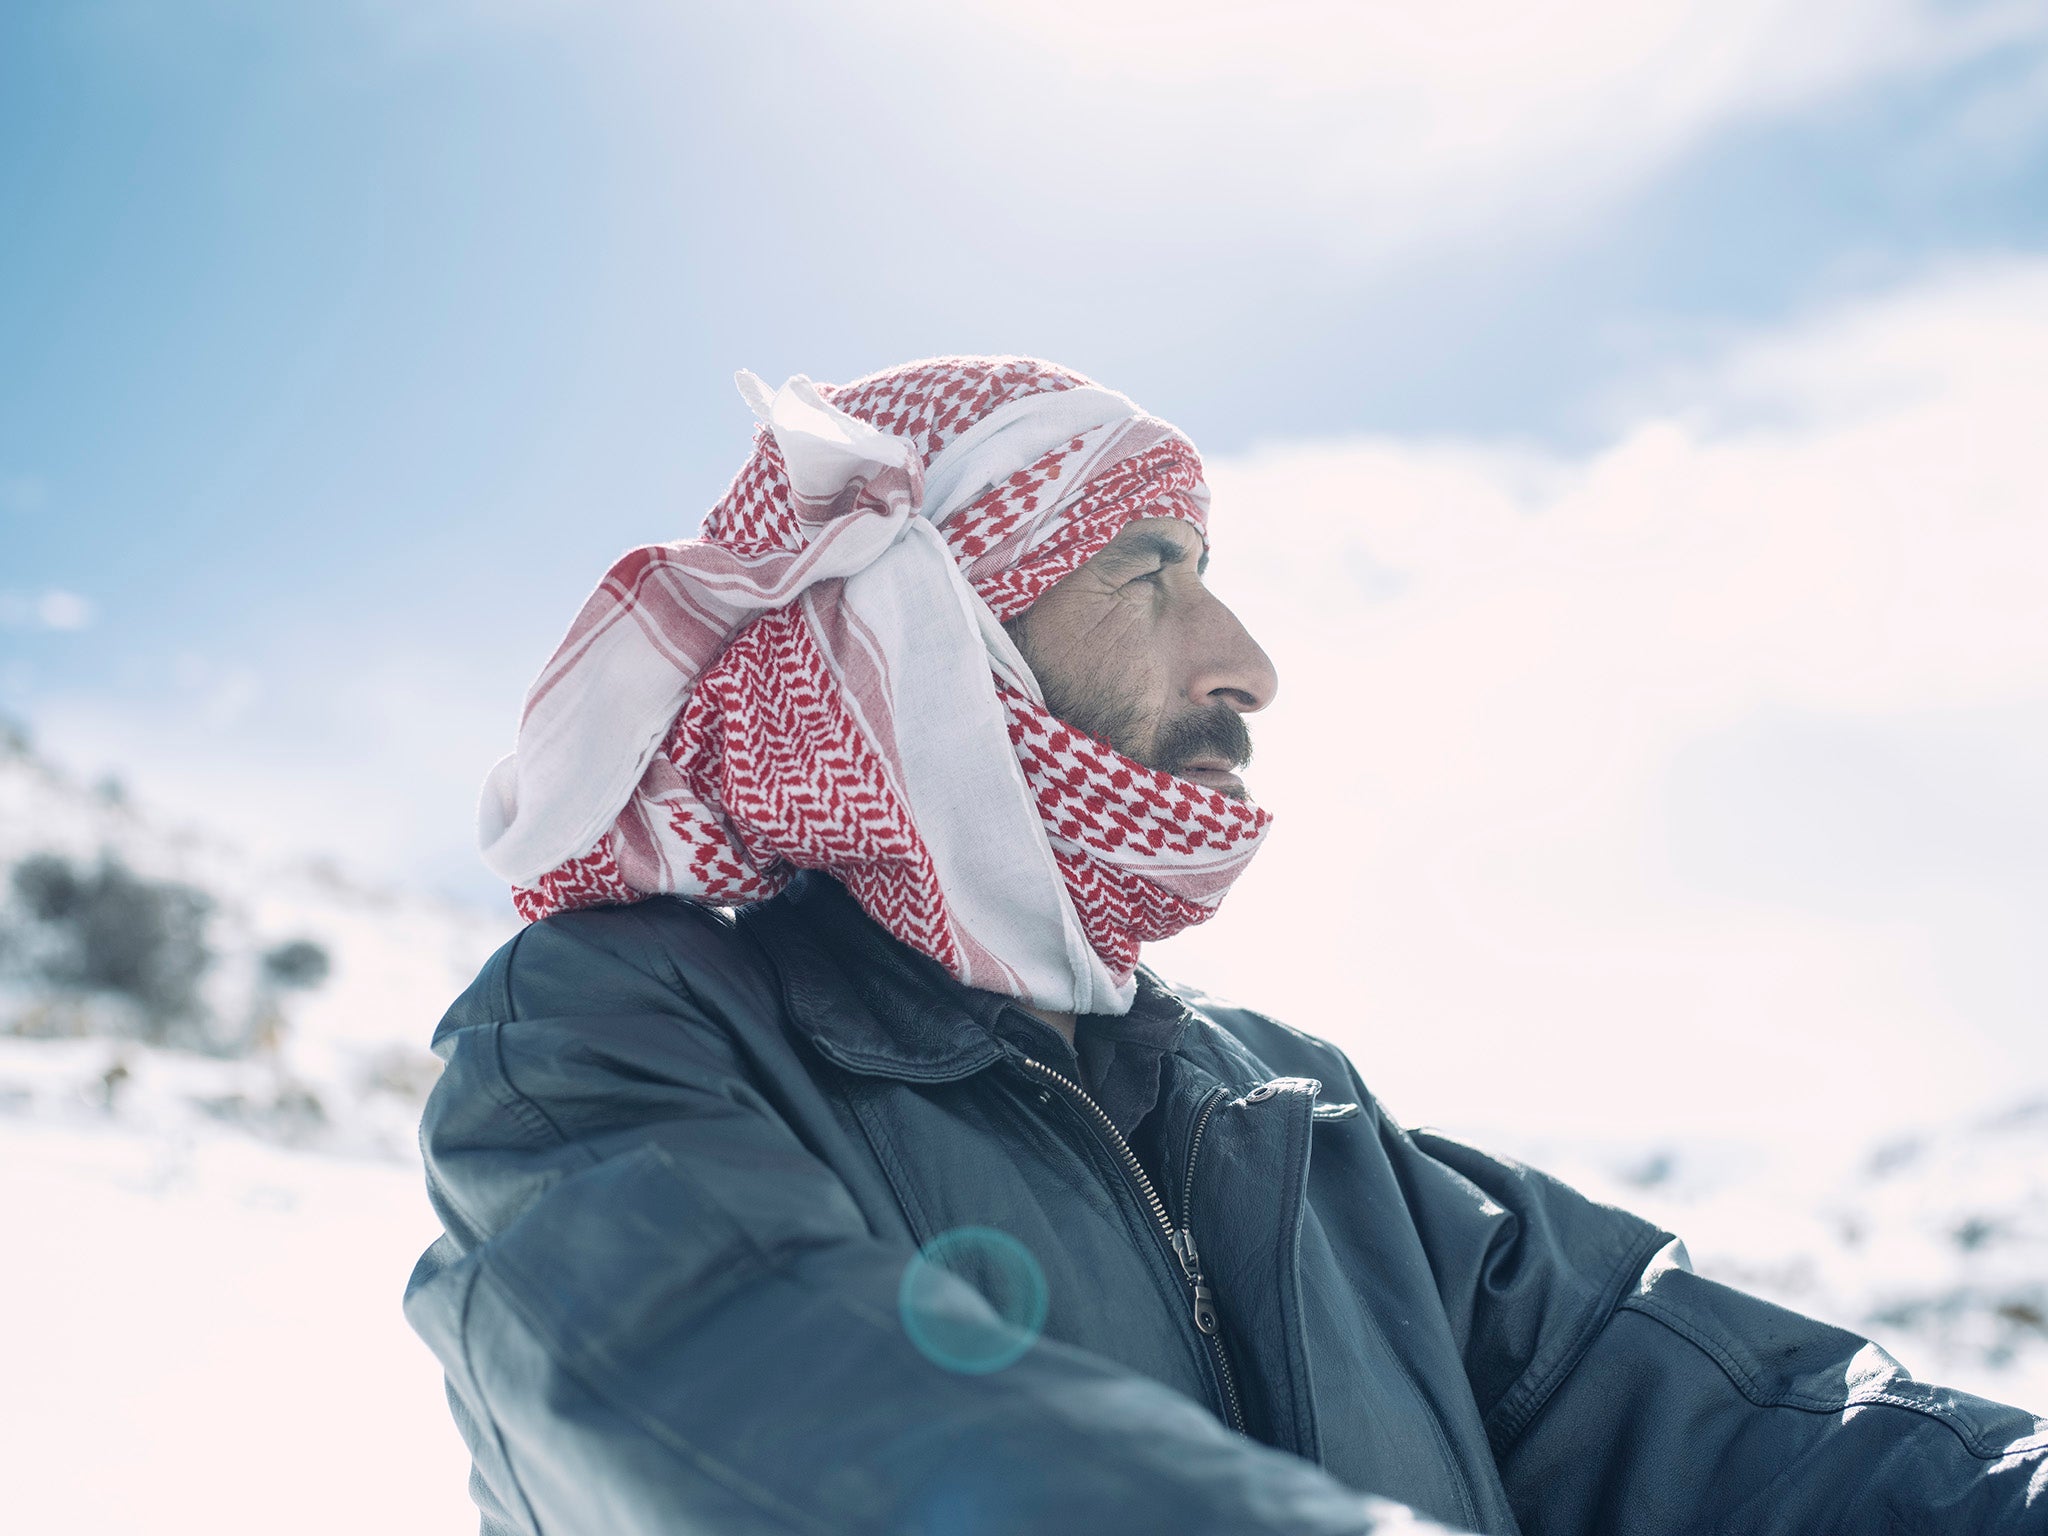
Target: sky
1623, 416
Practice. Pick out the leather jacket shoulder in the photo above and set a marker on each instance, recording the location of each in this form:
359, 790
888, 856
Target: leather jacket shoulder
713, 1185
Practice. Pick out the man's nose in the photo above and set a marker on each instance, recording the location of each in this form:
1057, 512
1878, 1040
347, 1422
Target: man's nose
1231, 667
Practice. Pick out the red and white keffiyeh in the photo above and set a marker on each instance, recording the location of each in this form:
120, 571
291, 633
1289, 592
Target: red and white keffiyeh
822, 681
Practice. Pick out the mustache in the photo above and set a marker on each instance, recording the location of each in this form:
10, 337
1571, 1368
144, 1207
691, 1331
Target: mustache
1214, 731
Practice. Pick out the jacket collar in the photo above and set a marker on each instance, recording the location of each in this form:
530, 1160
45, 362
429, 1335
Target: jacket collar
874, 1005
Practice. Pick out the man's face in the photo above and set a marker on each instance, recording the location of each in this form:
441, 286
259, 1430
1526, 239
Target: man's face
1134, 649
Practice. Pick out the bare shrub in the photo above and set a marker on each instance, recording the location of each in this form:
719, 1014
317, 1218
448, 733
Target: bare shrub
111, 931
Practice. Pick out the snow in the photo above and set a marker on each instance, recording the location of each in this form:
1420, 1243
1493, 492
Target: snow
206, 1337
209, 1251
399, 957
1932, 1241
209, 1337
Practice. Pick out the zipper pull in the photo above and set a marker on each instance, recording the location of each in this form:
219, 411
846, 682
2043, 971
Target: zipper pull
1205, 1308
1206, 1320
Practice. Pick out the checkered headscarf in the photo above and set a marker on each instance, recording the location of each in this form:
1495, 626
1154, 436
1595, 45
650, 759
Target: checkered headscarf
822, 682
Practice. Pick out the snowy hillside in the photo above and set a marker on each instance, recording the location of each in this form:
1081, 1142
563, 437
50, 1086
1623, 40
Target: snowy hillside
335, 1061
208, 1236
1931, 1240
219, 1224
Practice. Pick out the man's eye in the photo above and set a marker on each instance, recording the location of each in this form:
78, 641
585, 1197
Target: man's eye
1152, 575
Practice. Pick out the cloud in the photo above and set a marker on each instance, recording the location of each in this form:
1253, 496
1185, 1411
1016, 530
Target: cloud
58, 609
1692, 780
1387, 126
1339, 132
55, 609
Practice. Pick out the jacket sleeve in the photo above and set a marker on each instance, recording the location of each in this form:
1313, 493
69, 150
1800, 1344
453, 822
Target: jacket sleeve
659, 1312
1663, 1401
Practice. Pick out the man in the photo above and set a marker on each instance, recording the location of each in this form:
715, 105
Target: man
821, 1159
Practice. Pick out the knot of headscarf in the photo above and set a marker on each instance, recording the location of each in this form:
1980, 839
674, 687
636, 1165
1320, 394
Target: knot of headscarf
822, 681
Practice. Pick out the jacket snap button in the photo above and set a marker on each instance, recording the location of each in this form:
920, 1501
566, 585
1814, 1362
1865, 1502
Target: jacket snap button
1260, 1094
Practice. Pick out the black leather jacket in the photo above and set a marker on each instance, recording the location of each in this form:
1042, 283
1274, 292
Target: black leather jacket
1193, 1279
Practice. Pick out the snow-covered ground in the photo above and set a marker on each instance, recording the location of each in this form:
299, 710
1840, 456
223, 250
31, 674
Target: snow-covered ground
207, 1252
1931, 1240
207, 1333
349, 1062
204, 1336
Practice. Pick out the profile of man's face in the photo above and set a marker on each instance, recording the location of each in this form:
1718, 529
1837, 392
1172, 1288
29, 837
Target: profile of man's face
1134, 649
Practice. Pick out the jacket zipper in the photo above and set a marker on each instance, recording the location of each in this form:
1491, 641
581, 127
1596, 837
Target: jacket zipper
1180, 1239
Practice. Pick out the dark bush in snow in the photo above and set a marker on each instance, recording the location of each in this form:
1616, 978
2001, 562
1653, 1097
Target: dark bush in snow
112, 931
299, 963
47, 886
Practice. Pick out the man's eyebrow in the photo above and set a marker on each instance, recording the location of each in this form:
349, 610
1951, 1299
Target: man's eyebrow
1145, 548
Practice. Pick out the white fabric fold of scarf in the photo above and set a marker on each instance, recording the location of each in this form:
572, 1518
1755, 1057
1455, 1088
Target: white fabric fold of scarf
914, 648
